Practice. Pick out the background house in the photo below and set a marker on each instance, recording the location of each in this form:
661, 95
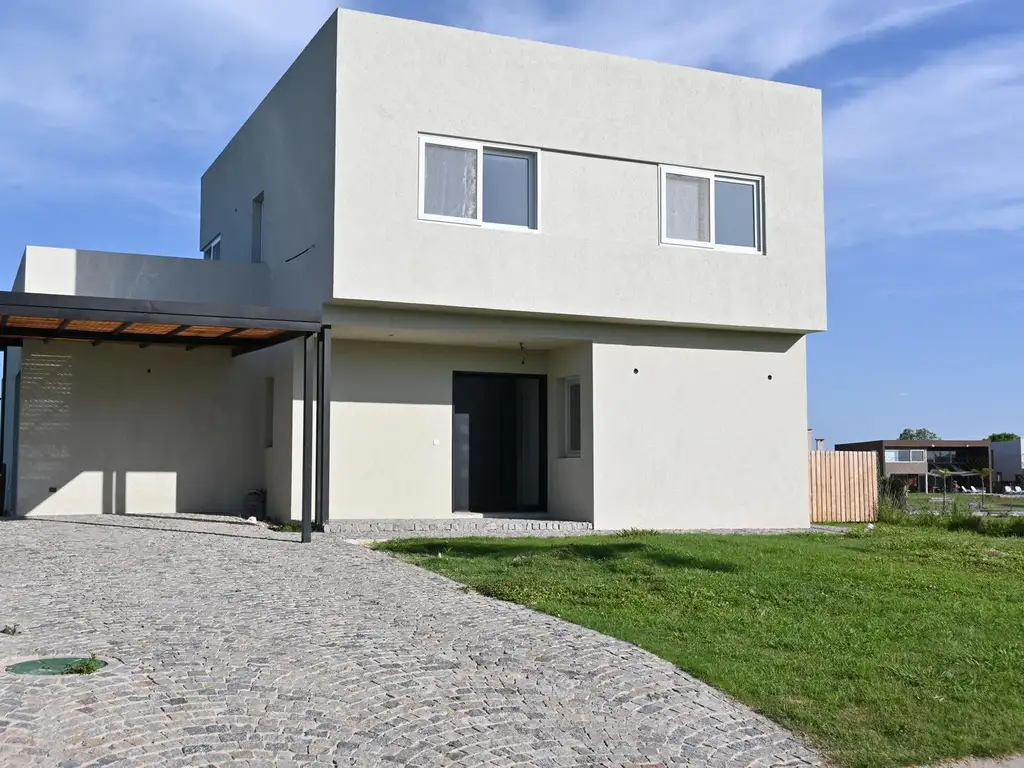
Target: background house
918, 460
1008, 461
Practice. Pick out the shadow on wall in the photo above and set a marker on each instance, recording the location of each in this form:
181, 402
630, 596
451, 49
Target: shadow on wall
167, 278
421, 374
698, 338
114, 492
119, 430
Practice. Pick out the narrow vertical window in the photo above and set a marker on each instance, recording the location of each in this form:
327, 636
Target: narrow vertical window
268, 412
573, 408
257, 229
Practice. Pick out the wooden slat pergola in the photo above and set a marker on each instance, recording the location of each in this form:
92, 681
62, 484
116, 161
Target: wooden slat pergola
241, 329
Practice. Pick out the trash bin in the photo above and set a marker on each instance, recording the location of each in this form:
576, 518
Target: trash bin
256, 503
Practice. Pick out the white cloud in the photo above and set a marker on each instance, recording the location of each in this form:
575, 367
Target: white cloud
936, 149
114, 94
753, 37
132, 100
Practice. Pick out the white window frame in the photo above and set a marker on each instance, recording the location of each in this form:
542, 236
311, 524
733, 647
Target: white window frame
756, 182
480, 147
911, 451
208, 249
568, 451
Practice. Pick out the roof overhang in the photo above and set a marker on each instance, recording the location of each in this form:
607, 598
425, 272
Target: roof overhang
936, 444
102, 319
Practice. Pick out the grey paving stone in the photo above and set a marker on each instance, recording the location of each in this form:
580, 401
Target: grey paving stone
233, 645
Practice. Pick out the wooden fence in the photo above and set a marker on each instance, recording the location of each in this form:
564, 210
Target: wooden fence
844, 486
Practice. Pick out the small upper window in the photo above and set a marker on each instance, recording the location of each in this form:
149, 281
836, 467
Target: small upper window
711, 210
469, 182
211, 251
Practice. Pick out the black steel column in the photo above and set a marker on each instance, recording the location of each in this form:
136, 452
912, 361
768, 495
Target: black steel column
323, 447
308, 372
318, 499
3, 434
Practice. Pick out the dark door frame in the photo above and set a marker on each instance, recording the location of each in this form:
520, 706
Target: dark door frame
543, 379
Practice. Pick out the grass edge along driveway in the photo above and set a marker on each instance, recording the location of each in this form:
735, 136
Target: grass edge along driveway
896, 646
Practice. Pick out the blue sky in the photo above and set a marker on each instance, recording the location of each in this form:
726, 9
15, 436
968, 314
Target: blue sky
111, 110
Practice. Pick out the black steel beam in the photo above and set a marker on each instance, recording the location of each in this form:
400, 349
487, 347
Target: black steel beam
308, 373
3, 434
138, 311
255, 345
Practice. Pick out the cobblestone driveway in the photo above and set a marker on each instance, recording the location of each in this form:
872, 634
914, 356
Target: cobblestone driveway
237, 646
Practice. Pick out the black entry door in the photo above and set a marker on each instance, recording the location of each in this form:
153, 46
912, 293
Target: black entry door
497, 451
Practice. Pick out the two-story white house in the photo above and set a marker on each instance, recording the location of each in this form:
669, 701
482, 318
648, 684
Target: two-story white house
554, 280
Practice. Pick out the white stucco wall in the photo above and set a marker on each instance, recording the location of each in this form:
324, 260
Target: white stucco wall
286, 151
75, 272
118, 429
603, 124
391, 424
699, 437
570, 478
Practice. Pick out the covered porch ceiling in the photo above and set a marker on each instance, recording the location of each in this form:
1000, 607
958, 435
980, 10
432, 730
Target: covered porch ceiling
102, 319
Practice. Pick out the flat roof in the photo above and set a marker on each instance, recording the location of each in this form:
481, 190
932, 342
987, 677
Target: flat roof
939, 444
104, 319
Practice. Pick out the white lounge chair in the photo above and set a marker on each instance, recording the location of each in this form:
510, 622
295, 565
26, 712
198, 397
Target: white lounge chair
975, 490
1007, 490
1016, 489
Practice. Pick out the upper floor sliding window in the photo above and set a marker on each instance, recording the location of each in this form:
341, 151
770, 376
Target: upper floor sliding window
705, 209
904, 457
469, 182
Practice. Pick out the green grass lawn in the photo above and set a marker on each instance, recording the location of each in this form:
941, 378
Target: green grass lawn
991, 503
896, 646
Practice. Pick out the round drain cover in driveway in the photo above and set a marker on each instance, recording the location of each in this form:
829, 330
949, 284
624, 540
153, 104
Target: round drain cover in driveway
55, 666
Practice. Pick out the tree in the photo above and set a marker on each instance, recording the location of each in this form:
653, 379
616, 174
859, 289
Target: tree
945, 475
1002, 437
985, 473
918, 434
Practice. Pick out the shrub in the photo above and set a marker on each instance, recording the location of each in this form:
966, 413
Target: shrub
959, 512
10, 629
892, 500
960, 518
636, 532
889, 513
84, 666
893, 490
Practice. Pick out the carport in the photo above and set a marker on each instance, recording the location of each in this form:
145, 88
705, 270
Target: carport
243, 329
